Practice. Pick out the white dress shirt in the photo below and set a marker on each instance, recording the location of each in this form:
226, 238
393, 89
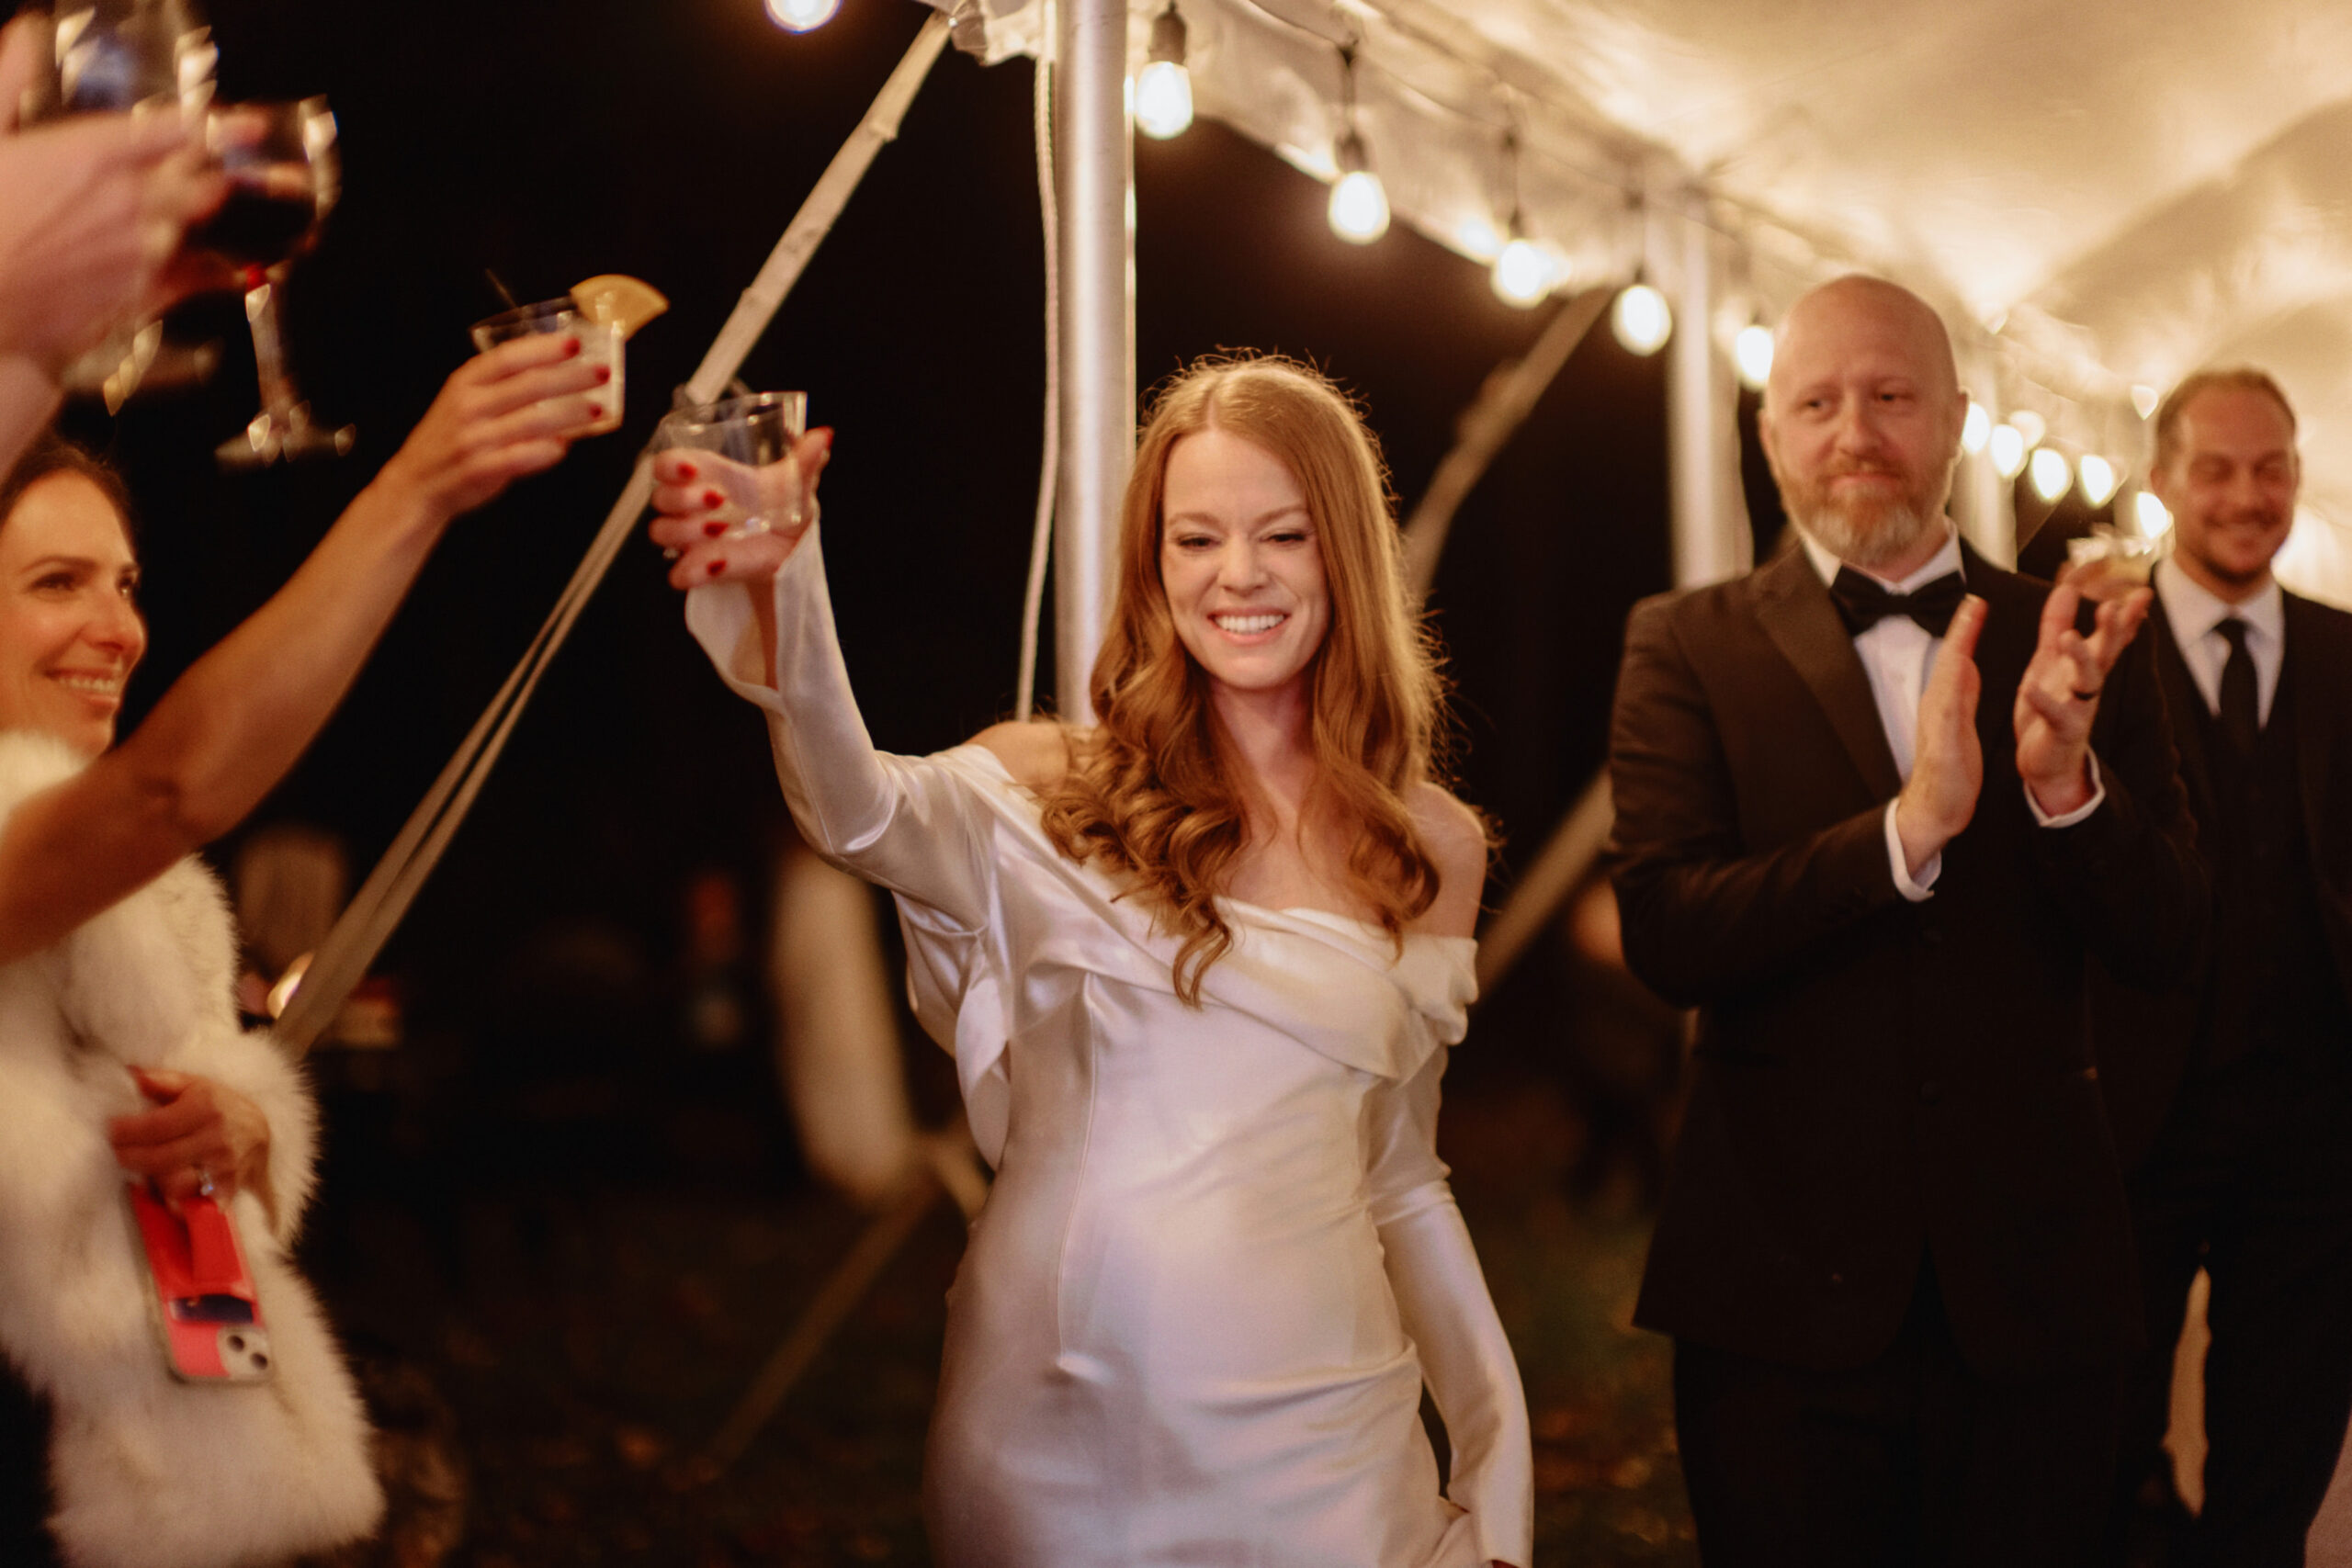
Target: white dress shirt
2196, 613
1896, 654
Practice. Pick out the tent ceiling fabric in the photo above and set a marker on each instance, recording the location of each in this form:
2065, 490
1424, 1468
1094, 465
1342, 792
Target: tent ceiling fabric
2099, 194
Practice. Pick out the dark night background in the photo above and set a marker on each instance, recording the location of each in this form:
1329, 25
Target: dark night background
537, 1156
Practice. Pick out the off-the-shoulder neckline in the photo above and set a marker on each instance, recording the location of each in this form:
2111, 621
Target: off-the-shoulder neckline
1307, 911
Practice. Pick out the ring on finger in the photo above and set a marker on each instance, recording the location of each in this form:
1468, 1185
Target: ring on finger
203, 1181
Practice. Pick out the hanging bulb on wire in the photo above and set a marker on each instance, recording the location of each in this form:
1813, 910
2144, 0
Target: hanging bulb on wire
2099, 477
1975, 429
2006, 444
1358, 202
2050, 474
802, 16
1359, 209
1752, 351
2152, 516
1164, 91
1524, 272
1641, 318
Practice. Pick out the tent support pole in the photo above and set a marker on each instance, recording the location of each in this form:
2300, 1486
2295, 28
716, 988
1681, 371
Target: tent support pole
1094, 179
1710, 518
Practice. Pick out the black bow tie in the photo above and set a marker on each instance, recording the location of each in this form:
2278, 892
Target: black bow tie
1863, 603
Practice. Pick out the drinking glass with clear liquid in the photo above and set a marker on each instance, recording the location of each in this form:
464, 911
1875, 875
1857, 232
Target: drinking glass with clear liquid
754, 432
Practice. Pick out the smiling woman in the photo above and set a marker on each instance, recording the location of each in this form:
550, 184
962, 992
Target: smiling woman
121, 1059
1200, 968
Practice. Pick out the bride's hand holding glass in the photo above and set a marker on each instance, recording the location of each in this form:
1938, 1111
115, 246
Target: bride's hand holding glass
701, 500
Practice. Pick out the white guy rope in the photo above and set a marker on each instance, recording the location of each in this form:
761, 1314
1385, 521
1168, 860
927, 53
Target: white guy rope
360, 933
1041, 537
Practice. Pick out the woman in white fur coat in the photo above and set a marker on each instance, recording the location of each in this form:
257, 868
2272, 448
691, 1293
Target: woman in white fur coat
120, 1055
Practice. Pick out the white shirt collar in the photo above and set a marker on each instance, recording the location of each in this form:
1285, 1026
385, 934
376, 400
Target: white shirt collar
1825, 565
2195, 610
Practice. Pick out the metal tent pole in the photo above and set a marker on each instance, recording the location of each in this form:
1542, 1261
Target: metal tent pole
1094, 178
1710, 517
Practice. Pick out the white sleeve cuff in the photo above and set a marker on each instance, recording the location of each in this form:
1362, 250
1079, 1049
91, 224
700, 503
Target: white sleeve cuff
2099, 796
1923, 888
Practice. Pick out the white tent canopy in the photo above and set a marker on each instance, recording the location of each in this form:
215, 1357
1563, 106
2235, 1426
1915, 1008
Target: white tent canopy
2100, 195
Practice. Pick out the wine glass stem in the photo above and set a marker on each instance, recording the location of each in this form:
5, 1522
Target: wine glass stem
279, 397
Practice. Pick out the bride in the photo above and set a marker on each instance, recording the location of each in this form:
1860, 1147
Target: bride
1198, 967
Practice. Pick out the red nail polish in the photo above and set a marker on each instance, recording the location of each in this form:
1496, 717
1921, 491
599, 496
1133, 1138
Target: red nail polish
573, 349
604, 374
712, 530
712, 498
716, 567
595, 411
687, 471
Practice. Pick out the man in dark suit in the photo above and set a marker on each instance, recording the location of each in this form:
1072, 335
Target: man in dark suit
1893, 1251
2232, 1094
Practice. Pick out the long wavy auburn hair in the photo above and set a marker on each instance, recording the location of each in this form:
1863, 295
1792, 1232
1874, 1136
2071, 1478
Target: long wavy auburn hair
1147, 792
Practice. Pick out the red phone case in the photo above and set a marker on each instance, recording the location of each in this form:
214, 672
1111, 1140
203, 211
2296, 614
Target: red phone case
205, 1300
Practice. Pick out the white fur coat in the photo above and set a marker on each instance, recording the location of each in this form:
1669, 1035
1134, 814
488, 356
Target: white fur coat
149, 1471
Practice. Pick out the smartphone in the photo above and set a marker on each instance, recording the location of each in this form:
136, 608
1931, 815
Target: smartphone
202, 1295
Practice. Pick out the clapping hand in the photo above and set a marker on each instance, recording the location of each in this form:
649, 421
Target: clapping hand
2059, 696
1948, 760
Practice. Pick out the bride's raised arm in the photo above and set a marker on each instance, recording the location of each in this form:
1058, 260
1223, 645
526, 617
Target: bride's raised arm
758, 606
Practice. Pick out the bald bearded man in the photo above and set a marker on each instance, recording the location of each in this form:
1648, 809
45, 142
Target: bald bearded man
1876, 801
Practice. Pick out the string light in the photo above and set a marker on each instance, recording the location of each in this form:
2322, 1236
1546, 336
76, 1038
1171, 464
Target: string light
2029, 427
1752, 351
1164, 91
2144, 400
1641, 318
802, 16
1359, 210
2006, 446
1975, 429
2049, 473
1524, 272
2099, 478
2152, 516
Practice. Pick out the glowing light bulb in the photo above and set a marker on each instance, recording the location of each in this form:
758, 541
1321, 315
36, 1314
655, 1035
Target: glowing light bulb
802, 16
2144, 400
1164, 91
2030, 426
2049, 473
1164, 99
2007, 449
1523, 273
2099, 478
1752, 351
1641, 318
2153, 518
1359, 210
1975, 429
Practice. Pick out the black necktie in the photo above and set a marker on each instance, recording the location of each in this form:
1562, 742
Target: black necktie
1863, 603
2241, 713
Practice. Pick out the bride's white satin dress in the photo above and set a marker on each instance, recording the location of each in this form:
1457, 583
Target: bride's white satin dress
1220, 1257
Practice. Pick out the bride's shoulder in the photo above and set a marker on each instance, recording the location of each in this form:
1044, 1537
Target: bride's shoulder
1458, 843
1036, 752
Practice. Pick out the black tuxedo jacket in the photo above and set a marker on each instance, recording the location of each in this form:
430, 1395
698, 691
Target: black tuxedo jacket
2146, 1037
1875, 1077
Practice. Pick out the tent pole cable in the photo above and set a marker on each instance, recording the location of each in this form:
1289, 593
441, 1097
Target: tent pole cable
1041, 537
360, 932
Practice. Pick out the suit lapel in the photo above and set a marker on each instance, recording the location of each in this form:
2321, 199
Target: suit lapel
1795, 612
2316, 699
2184, 704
